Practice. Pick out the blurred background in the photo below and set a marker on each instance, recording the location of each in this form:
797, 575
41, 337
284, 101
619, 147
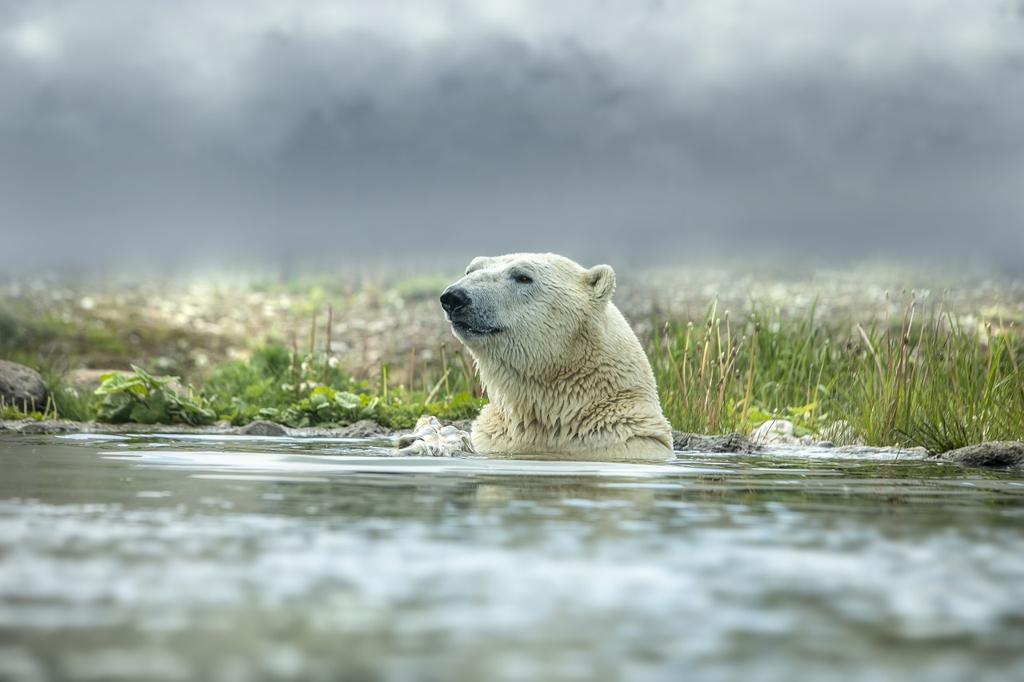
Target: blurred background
292, 133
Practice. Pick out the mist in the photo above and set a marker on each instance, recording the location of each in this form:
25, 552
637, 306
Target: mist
611, 131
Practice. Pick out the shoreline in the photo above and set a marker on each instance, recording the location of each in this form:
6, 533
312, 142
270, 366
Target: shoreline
365, 428
1007, 456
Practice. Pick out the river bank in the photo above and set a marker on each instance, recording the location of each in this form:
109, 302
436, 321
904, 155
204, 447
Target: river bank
892, 358
990, 455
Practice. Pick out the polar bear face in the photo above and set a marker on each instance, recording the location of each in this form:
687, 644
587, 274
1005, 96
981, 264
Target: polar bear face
525, 309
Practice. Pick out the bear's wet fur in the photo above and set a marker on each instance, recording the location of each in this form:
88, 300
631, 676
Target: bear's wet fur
565, 374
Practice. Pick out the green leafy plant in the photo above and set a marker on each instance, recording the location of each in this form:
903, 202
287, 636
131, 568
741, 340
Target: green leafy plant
312, 390
270, 382
141, 397
324, 405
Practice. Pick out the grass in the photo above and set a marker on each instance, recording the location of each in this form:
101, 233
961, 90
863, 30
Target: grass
923, 380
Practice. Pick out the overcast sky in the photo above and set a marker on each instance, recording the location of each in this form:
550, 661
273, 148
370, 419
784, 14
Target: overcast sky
614, 131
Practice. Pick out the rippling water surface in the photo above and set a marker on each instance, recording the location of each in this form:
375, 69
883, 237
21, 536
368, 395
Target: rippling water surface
191, 558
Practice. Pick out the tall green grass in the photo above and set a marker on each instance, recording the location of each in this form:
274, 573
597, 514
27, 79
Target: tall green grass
921, 380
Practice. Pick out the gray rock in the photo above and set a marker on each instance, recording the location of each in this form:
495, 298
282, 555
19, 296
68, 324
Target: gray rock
22, 387
364, 428
732, 442
262, 427
998, 454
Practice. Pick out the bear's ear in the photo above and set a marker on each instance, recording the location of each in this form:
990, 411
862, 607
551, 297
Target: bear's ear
601, 278
477, 263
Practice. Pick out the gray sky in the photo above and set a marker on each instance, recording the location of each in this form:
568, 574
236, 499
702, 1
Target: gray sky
614, 131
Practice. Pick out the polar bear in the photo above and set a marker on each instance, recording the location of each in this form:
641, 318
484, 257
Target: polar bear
565, 375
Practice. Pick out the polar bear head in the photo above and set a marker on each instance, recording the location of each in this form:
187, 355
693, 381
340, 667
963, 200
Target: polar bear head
526, 309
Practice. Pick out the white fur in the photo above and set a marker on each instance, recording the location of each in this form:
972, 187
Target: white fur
566, 376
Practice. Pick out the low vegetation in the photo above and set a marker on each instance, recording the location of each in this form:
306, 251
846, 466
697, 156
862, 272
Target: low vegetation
277, 385
921, 380
924, 378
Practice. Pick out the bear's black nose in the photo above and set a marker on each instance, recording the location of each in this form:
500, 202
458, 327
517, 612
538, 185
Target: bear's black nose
454, 299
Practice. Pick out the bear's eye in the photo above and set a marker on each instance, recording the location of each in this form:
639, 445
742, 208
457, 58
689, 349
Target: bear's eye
522, 278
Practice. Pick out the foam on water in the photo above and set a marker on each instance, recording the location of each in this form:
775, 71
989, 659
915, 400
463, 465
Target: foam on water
385, 463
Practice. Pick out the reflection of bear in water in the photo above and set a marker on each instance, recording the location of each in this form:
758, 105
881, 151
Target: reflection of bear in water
565, 374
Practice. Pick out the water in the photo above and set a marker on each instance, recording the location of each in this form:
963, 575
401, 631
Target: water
173, 558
